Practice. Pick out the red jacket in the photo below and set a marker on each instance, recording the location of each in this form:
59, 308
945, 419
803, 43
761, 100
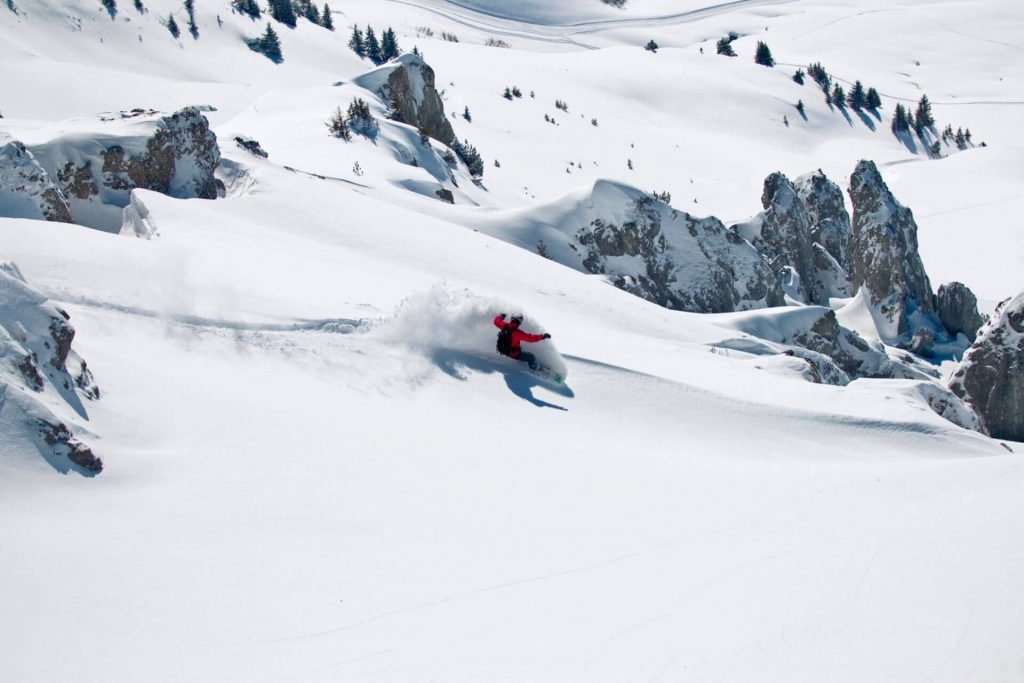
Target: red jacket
518, 336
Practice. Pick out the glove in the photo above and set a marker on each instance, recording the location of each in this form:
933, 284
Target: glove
547, 336
501, 315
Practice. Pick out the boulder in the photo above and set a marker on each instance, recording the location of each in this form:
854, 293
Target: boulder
26, 190
991, 375
884, 254
958, 310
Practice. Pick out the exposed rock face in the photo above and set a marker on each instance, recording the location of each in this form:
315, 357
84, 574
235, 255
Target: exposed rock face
408, 86
96, 165
672, 258
884, 253
958, 310
830, 223
784, 237
41, 377
802, 231
26, 190
991, 376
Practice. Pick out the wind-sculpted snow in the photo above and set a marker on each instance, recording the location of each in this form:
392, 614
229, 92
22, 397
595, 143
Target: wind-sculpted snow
446, 325
41, 378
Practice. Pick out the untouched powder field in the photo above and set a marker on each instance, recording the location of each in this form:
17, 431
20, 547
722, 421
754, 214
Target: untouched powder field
316, 466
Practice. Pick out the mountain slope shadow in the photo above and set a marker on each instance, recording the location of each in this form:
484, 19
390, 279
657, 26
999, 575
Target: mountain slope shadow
521, 383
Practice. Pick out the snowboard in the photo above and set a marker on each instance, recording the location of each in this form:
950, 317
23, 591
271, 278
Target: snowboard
544, 372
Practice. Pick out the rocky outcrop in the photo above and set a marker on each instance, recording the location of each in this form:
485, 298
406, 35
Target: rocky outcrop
826, 209
884, 254
958, 310
991, 375
42, 380
407, 85
26, 190
802, 235
670, 257
97, 163
783, 234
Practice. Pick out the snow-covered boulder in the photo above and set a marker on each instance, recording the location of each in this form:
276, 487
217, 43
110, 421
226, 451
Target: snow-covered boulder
991, 375
41, 377
26, 190
884, 254
96, 163
407, 84
958, 310
667, 256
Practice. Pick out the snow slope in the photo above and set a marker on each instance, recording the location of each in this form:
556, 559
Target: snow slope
316, 467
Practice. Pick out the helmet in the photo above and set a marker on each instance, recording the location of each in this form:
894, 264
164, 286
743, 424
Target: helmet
517, 319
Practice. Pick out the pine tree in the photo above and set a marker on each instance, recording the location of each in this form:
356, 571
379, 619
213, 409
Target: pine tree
857, 99
724, 47
923, 118
357, 43
389, 45
247, 7
839, 96
466, 115
172, 26
820, 76
763, 55
967, 136
270, 45
516, 92
873, 99
798, 77
360, 118
190, 9
651, 46
395, 108
325, 18
338, 126
470, 156
508, 93
900, 124
111, 7
311, 13
139, 7
800, 107
281, 10
373, 47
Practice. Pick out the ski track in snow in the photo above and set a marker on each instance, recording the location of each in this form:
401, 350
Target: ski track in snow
568, 31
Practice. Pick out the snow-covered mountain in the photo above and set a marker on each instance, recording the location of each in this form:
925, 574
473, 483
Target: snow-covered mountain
782, 447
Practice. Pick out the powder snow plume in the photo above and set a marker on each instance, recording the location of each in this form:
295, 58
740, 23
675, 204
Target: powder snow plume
444, 320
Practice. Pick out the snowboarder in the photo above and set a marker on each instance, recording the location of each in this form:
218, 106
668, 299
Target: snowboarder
511, 337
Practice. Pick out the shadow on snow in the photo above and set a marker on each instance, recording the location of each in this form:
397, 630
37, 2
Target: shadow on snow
519, 382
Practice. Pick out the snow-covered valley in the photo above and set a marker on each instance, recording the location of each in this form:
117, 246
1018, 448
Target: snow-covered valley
316, 467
